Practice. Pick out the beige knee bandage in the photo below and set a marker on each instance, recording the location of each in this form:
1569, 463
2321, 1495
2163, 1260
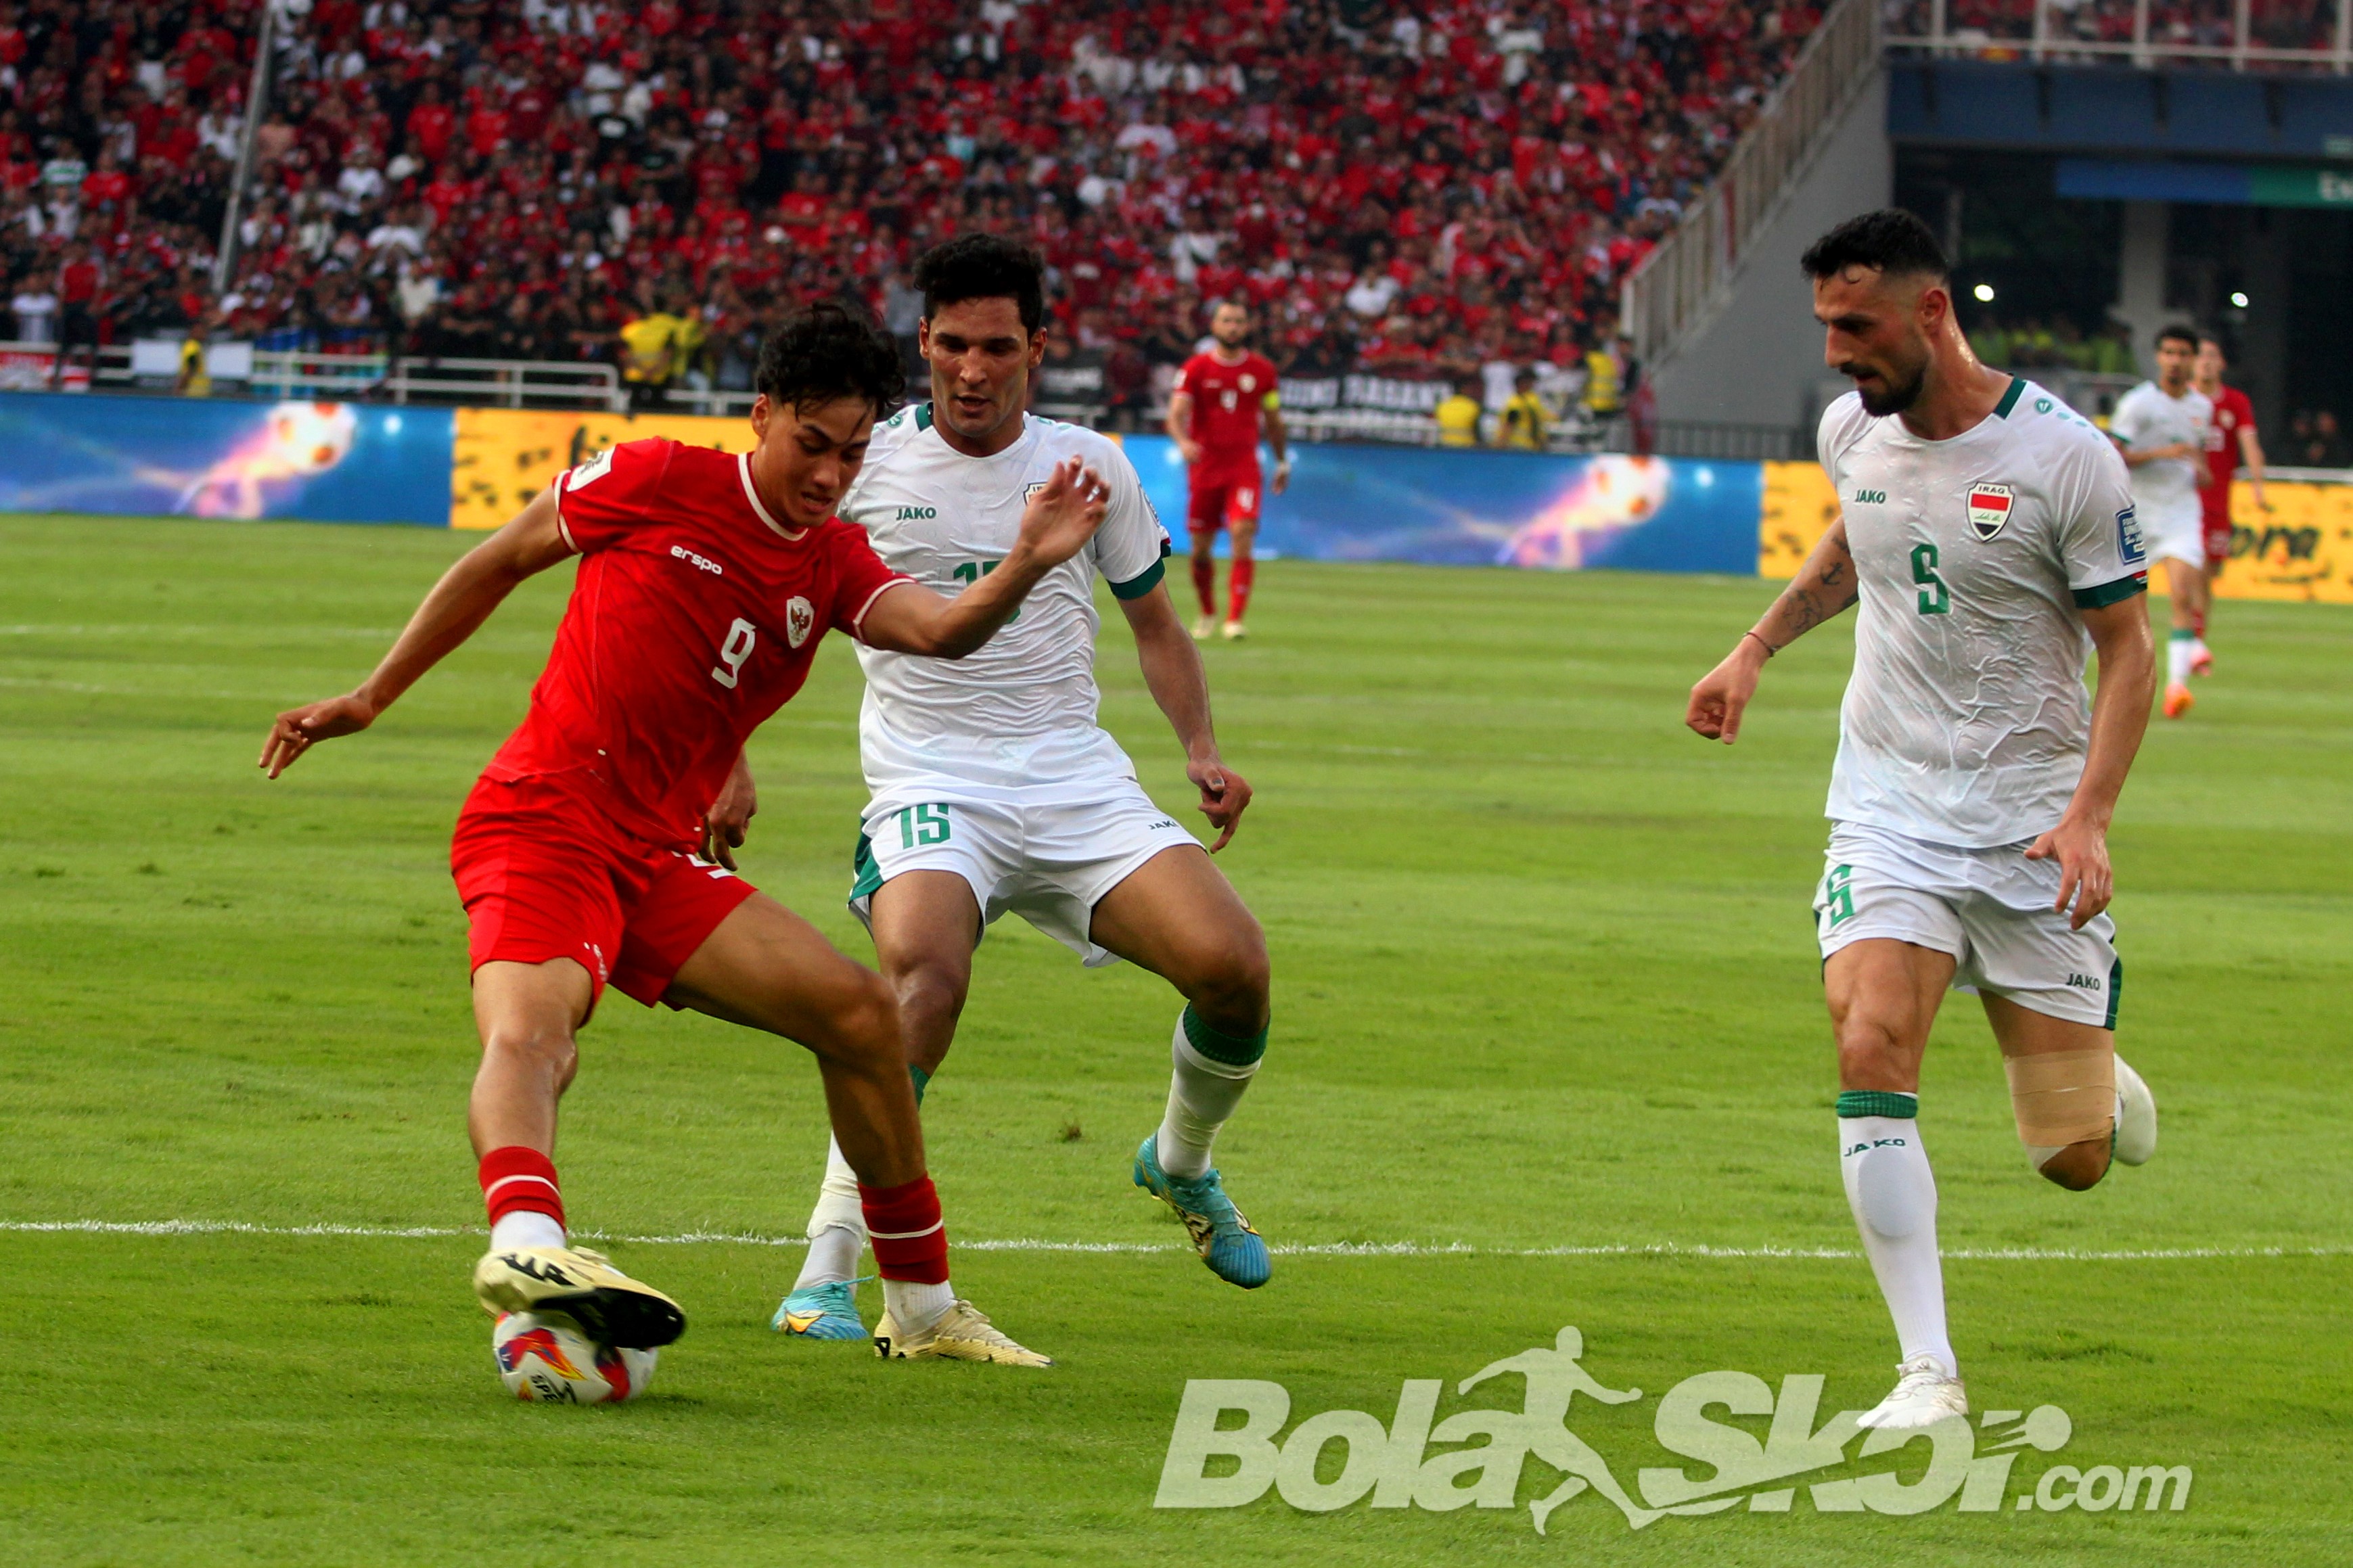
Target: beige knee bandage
2063, 1097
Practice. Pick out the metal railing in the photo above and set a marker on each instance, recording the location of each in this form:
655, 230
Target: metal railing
506, 383
1683, 282
328, 377
2046, 33
283, 373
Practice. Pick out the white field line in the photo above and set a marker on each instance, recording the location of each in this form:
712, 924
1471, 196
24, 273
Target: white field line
1308, 1250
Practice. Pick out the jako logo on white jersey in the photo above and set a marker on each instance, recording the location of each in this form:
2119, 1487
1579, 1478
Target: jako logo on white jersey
918, 513
704, 563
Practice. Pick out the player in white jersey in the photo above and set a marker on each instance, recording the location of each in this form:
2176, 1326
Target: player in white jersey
1988, 532
994, 788
2162, 426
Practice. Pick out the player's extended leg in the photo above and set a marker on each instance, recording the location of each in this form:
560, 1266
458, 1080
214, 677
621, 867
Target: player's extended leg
1177, 917
1241, 525
765, 967
528, 1014
925, 925
1883, 997
1205, 574
2186, 583
2077, 1103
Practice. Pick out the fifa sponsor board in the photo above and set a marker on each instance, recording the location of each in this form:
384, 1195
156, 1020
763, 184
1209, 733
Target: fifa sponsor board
1349, 502
324, 462
2300, 549
501, 457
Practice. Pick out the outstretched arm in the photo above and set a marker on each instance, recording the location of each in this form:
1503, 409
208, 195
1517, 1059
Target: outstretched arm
1172, 671
2119, 719
2251, 453
1278, 438
729, 817
1056, 525
457, 606
1825, 585
1179, 425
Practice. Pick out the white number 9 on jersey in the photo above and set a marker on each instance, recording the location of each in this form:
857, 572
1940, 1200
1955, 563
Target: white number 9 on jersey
733, 652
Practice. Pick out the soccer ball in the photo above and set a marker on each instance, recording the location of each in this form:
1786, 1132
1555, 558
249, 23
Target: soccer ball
545, 1357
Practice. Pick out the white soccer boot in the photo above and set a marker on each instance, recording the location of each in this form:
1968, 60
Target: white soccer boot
2135, 1118
1204, 627
1923, 1396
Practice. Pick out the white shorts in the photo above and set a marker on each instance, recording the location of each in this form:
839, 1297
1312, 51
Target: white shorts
2179, 537
1990, 909
1049, 863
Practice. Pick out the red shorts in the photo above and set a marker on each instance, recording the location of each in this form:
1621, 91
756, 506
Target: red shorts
1222, 496
544, 874
2218, 535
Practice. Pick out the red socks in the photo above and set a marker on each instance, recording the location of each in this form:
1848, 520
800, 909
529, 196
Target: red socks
904, 1225
1242, 573
1204, 583
516, 1178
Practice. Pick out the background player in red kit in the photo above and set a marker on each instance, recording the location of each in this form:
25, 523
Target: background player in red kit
706, 581
1214, 415
2230, 442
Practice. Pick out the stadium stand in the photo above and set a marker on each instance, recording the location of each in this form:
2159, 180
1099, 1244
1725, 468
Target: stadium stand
1426, 192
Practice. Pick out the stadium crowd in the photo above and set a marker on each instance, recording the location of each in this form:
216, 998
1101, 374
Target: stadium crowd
1408, 187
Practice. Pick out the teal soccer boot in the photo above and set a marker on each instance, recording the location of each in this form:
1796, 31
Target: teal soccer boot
1234, 1252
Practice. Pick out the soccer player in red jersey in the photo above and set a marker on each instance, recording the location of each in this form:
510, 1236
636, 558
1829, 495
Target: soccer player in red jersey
1214, 414
2230, 442
706, 581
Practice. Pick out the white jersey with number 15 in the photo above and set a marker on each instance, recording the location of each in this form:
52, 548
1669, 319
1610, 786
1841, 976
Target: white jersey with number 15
1015, 717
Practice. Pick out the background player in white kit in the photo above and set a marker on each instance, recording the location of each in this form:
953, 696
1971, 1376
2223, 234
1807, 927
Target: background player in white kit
2162, 428
993, 786
1985, 530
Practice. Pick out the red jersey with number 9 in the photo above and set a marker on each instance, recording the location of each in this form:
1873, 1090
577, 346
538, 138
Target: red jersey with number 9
1226, 402
694, 616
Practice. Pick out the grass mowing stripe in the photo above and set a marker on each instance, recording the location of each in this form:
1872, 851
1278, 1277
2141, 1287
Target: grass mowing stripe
1303, 1249
1545, 978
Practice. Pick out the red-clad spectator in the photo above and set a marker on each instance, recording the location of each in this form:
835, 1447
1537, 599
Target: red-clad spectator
431, 124
487, 124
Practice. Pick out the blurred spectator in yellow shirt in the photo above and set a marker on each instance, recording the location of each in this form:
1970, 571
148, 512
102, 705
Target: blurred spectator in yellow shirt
1525, 421
1458, 417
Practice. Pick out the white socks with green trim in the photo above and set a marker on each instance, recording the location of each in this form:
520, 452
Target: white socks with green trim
1202, 1094
2180, 648
1894, 1196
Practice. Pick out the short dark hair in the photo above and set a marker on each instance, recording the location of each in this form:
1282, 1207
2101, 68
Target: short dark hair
826, 351
1891, 240
2178, 334
983, 267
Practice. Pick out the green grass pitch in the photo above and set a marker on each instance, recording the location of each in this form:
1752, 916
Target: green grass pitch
1544, 980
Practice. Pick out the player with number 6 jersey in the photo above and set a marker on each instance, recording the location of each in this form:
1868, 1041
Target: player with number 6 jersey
705, 582
1989, 538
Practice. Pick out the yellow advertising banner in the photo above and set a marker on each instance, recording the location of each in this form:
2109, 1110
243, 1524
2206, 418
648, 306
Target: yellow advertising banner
2300, 549
1800, 507
503, 457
